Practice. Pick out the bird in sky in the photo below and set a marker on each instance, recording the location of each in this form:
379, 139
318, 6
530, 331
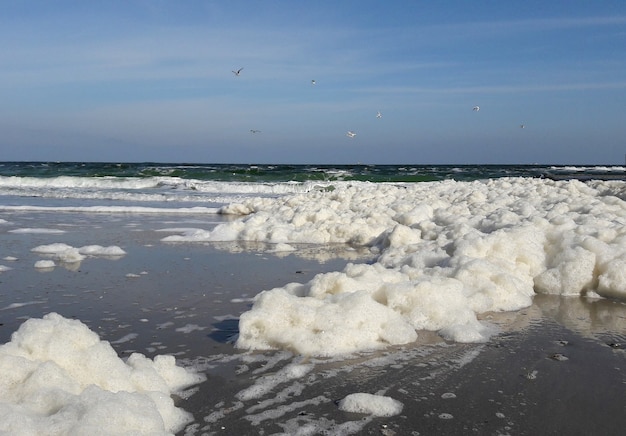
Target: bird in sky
521, 126
379, 115
254, 131
312, 82
350, 134
476, 108
238, 72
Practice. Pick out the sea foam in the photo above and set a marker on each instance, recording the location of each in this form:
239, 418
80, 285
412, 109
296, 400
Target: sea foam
59, 378
447, 252
69, 254
376, 405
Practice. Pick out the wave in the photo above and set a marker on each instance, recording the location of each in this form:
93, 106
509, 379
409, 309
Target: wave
78, 182
160, 189
592, 169
186, 185
115, 209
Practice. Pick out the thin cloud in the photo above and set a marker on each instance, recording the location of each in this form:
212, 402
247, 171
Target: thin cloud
525, 25
566, 22
495, 89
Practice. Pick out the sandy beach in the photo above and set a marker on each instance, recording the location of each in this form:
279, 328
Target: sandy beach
556, 367
296, 219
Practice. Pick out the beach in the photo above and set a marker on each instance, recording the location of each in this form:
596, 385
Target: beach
289, 219
185, 300
146, 305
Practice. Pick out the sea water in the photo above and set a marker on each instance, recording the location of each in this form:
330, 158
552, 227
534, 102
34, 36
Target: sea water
447, 243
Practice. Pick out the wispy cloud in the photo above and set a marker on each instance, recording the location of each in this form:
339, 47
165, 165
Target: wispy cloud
461, 29
171, 52
564, 22
496, 89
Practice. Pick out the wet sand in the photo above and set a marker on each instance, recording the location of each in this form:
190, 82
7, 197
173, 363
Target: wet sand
558, 367
546, 379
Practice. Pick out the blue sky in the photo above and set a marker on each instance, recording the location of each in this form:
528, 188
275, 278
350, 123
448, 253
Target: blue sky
151, 80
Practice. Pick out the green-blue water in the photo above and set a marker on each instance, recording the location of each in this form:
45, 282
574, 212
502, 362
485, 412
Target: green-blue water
301, 173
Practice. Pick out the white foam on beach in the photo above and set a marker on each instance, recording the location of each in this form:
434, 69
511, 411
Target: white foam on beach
69, 254
126, 338
265, 384
37, 231
60, 251
188, 328
115, 209
376, 405
4, 268
17, 305
289, 390
100, 251
447, 252
45, 264
60, 378
186, 235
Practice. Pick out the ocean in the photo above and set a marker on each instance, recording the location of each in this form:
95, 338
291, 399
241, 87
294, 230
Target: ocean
133, 186
261, 297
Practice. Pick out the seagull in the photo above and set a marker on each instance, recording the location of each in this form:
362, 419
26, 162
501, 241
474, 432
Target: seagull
476, 108
379, 115
521, 126
312, 82
238, 72
350, 134
254, 131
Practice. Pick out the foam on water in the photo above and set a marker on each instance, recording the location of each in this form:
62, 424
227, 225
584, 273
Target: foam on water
448, 251
146, 189
377, 405
45, 264
68, 254
16, 305
60, 378
114, 209
37, 231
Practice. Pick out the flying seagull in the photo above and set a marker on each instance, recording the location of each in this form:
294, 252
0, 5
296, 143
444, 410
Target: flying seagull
254, 131
521, 126
379, 115
476, 108
312, 82
350, 134
238, 72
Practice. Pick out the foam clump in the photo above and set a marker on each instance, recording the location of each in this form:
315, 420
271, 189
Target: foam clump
69, 254
59, 378
44, 264
60, 251
447, 252
98, 250
336, 325
375, 405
